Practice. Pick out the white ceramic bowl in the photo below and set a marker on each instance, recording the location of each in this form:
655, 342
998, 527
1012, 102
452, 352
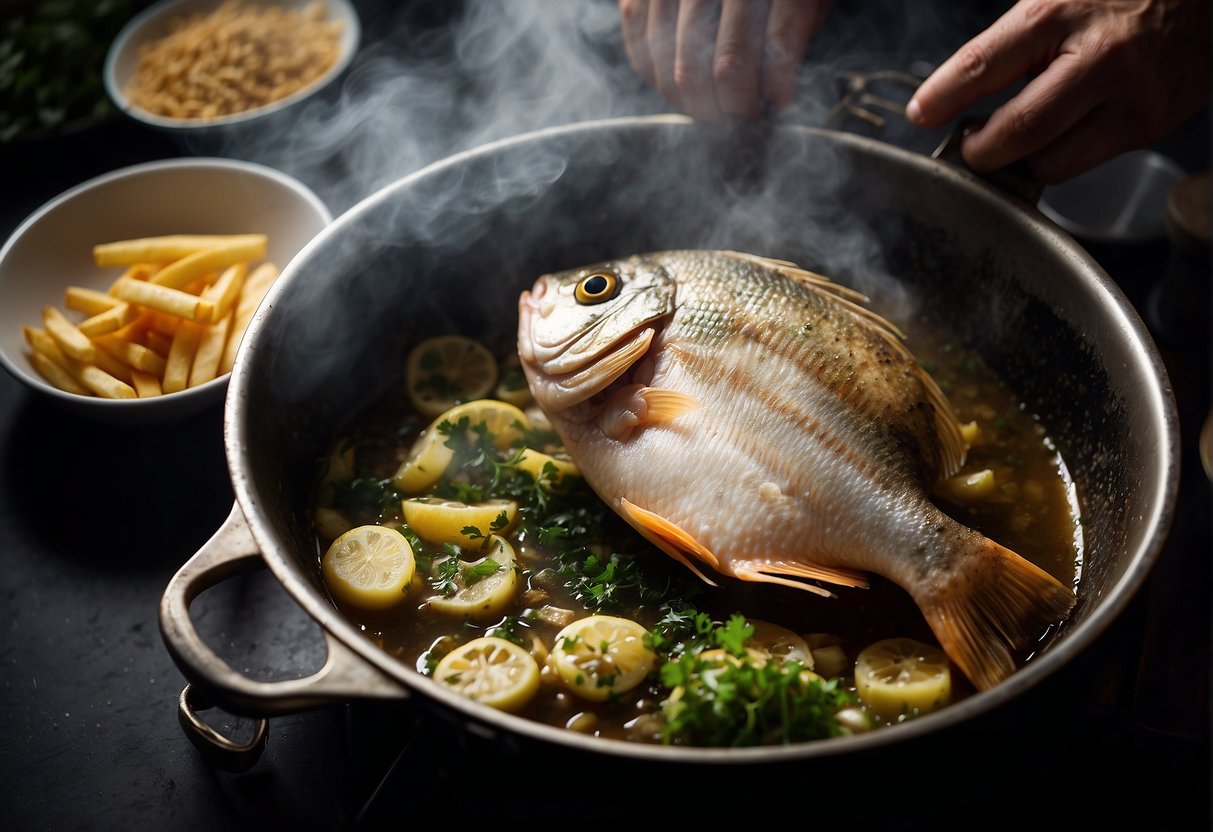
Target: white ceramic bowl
53, 249
154, 22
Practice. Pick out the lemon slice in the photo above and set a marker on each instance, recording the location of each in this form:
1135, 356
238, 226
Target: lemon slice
774, 641
493, 671
369, 567
601, 656
442, 521
512, 385
441, 372
429, 456
533, 462
487, 597
901, 676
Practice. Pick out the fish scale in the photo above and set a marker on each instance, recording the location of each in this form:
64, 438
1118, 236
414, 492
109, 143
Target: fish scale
754, 420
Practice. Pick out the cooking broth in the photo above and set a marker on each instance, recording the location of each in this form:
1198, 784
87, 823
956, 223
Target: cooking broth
1014, 488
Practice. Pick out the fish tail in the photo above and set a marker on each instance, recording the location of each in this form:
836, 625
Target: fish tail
1002, 603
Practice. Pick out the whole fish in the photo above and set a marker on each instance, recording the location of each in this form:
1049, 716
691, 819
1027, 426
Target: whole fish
749, 416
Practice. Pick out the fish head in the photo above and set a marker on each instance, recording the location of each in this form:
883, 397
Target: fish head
580, 330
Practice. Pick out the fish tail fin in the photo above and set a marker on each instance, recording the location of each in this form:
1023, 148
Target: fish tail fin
1001, 604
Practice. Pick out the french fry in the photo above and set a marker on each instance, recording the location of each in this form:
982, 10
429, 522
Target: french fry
88, 301
225, 291
71, 340
210, 351
139, 271
40, 341
134, 355
147, 337
84, 373
113, 366
159, 344
164, 249
255, 286
111, 320
162, 298
181, 357
181, 273
56, 375
99, 381
146, 384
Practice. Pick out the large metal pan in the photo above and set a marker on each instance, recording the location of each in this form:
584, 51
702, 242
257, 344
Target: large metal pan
450, 247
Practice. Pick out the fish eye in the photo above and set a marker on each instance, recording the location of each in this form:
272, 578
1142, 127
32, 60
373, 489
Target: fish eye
596, 288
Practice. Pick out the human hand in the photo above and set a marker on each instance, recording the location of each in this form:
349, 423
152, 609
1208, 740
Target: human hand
1113, 76
720, 59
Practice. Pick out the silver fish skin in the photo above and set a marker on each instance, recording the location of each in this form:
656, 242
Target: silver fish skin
757, 419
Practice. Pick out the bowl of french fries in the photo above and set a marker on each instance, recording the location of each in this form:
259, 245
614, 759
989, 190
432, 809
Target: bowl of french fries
126, 297
199, 68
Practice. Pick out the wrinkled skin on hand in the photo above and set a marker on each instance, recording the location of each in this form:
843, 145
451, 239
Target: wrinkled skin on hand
1105, 77
721, 59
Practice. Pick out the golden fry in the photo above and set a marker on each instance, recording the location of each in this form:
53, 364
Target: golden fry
113, 366
88, 301
99, 381
181, 357
160, 344
146, 336
56, 375
146, 384
181, 273
224, 291
111, 320
163, 249
71, 340
134, 355
162, 298
210, 351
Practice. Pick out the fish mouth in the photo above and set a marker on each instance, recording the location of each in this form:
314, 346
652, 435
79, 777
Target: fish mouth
558, 374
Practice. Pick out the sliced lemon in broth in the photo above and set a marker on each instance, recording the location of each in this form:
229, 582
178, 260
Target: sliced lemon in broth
443, 521
489, 596
443, 371
902, 677
535, 462
369, 567
493, 671
602, 656
429, 456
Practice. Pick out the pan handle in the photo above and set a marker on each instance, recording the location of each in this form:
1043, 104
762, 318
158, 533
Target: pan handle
345, 675
1015, 179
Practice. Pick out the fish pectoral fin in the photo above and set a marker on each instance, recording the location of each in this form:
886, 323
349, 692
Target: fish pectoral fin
1002, 603
669, 538
783, 573
635, 406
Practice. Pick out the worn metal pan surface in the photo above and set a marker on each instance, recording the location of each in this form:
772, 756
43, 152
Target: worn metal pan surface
450, 247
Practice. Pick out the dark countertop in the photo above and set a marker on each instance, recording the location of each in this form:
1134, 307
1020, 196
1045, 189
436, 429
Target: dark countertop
94, 520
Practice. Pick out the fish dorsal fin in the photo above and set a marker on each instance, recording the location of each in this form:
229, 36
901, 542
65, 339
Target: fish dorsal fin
669, 538
783, 573
947, 426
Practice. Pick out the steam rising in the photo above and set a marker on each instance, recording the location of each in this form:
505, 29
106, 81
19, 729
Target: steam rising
436, 78
433, 79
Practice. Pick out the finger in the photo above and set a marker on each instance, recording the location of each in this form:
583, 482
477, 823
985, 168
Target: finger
1000, 55
698, 22
634, 20
662, 32
1092, 141
790, 24
739, 55
1047, 107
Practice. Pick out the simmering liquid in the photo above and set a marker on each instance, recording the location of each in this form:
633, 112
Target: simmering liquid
1026, 502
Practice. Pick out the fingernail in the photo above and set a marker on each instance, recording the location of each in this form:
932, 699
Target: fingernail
914, 111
